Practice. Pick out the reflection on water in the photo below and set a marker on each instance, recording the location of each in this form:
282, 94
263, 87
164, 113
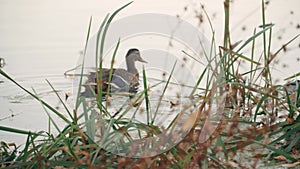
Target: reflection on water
21, 111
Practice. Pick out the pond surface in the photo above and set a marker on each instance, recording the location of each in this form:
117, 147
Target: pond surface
40, 40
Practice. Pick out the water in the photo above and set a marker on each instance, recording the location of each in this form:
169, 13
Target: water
42, 39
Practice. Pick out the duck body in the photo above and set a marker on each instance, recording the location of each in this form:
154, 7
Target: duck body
121, 80
292, 91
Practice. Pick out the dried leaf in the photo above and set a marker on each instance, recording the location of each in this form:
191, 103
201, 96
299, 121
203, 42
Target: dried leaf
291, 165
280, 158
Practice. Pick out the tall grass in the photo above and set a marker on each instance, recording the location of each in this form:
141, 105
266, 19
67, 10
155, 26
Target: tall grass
248, 128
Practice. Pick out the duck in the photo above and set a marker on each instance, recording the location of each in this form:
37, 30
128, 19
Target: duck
2, 62
292, 88
122, 80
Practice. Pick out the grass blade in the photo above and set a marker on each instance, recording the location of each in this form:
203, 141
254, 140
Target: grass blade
146, 95
18, 131
163, 93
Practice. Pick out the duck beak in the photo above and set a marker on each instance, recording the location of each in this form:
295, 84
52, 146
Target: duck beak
141, 60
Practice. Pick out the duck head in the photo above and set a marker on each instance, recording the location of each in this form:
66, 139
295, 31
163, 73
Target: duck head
132, 56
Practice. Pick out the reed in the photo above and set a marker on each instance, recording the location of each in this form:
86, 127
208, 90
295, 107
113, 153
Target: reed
249, 127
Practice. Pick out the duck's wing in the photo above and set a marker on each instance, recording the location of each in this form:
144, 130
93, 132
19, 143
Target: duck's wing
121, 81
127, 76
91, 83
131, 79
